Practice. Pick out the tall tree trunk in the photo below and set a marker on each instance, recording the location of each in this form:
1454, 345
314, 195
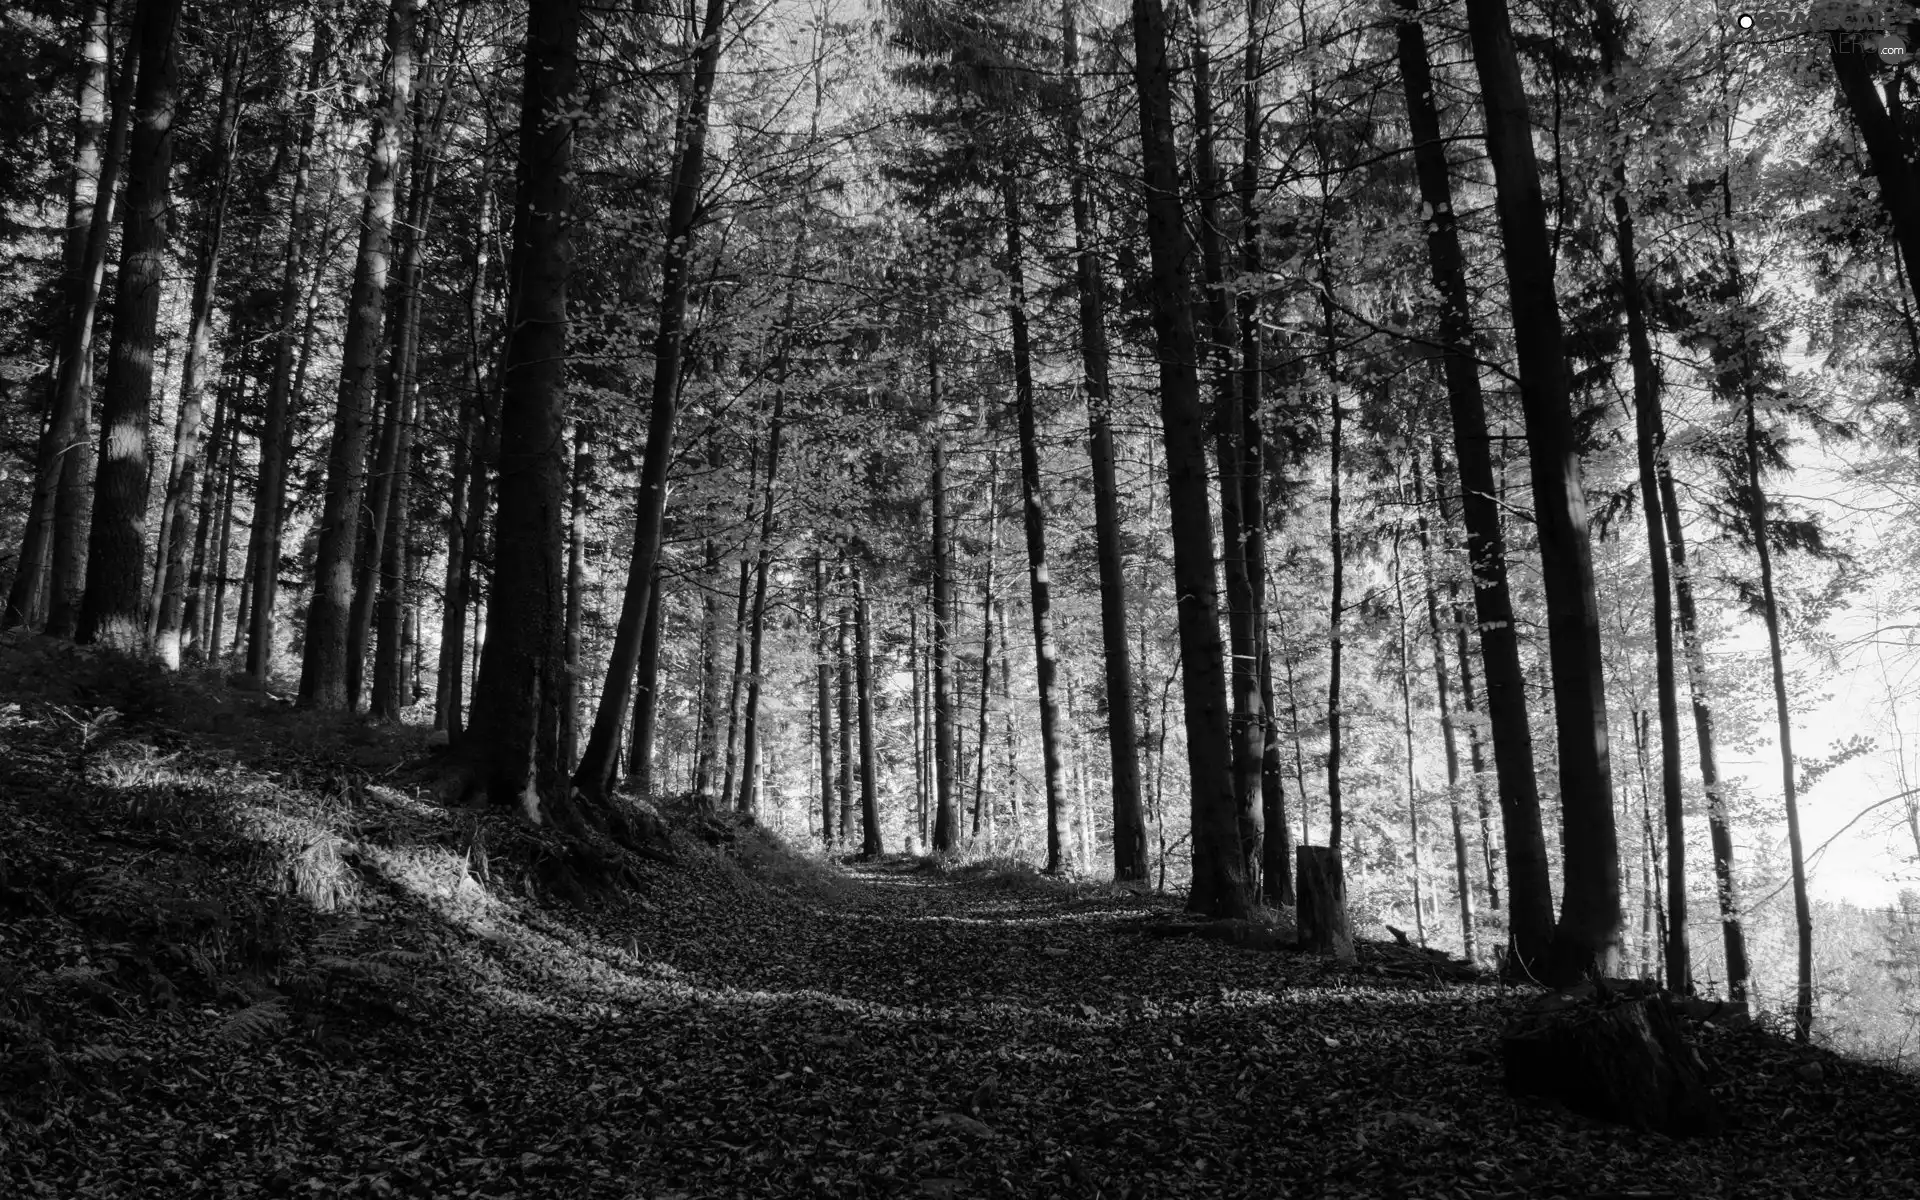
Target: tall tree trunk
1770, 610
80, 289
1719, 827
511, 750
1530, 905
823, 698
1443, 688
1646, 406
919, 723
707, 737
1336, 609
752, 736
1040, 584
116, 537
270, 497
1276, 866
576, 591
646, 698
595, 773
1123, 739
980, 801
325, 659
69, 430
844, 657
1406, 729
870, 846
172, 551
227, 469
1586, 939
1219, 880
741, 590
1247, 725
946, 818
225, 400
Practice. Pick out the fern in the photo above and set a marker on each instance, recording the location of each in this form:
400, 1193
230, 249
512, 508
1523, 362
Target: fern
253, 1023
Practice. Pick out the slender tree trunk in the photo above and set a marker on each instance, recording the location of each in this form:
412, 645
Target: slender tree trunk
1276, 866
470, 506
1646, 406
69, 430
844, 822
870, 846
1719, 827
80, 289
511, 750
270, 497
946, 818
1770, 610
980, 801
192, 619
116, 537
1406, 730
919, 726
1045, 650
646, 698
595, 773
1336, 609
742, 589
1530, 909
325, 660
1248, 722
1219, 879
823, 698
576, 592
223, 556
707, 738
1587, 937
1123, 739
763, 563
172, 552
1443, 688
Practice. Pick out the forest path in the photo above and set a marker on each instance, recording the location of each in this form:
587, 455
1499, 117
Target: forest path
243, 966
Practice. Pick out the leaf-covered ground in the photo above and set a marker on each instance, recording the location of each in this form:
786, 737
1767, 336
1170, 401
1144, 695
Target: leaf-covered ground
248, 960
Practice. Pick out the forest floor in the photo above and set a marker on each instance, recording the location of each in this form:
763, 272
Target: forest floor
240, 955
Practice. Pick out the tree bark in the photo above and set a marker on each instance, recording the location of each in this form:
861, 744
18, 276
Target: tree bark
70, 428
1530, 902
1586, 939
1123, 738
980, 801
844, 656
27, 598
763, 561
646, 698
1219, 880
325, 658
823, 698
595, 773
1443, 688
1040, 583
511, 750
1336, 609
225, 401
1248, 744
1890, 143
270, 497
946, 818
579, 477
466, 512
172, 552
116, 536
870, 846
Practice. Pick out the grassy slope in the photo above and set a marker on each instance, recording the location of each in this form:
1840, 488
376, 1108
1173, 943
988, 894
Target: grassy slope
238, 956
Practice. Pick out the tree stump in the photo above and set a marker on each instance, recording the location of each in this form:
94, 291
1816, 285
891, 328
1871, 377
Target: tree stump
1614, 1057
1321, 888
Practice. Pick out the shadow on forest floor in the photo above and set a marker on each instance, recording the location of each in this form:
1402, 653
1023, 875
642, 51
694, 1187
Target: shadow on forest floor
241, 955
